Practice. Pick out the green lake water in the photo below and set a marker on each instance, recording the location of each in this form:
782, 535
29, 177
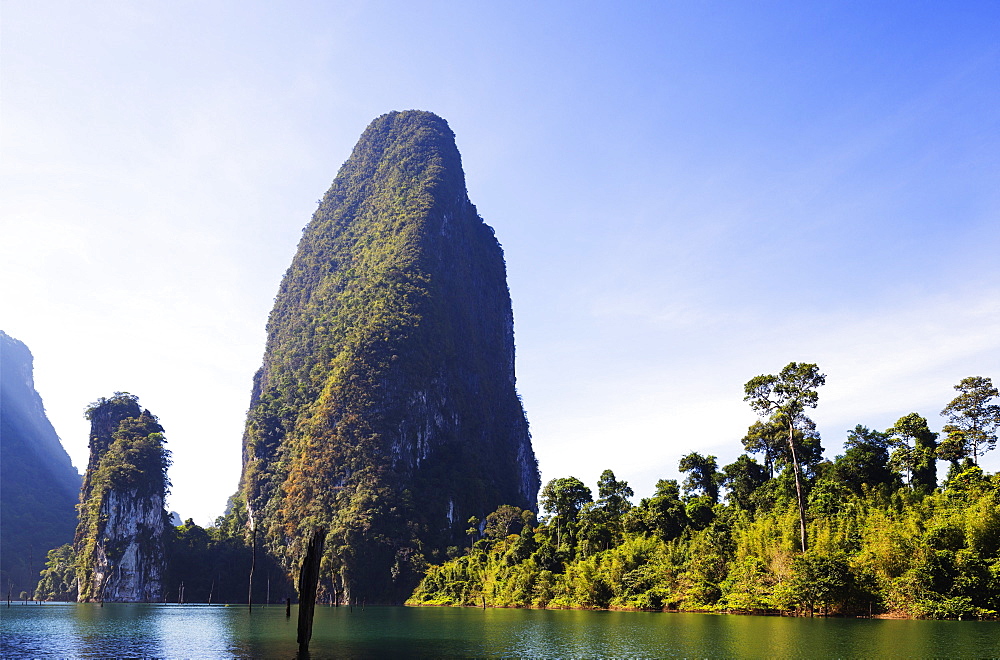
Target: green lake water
57, 630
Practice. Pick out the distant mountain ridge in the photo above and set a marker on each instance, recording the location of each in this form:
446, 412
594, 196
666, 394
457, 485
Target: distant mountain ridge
39, 487
385, 410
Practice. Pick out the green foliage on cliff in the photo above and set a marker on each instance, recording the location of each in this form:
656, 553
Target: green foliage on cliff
58, 578
875, 544
385, 409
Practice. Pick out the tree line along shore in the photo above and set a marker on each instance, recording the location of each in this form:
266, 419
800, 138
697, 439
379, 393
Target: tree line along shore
782, 530
875, 531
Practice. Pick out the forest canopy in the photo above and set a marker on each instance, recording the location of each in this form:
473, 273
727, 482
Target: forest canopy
781, 529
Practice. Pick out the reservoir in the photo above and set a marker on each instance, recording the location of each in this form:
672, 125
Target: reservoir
65, 630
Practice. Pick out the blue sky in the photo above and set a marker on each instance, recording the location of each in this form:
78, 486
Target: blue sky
688, 195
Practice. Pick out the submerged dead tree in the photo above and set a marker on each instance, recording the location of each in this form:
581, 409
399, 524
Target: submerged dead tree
308, 581
253, 565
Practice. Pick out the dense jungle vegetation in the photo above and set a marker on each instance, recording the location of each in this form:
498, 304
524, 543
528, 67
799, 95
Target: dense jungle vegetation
881, 535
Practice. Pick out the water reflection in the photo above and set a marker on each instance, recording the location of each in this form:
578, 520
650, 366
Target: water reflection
190, 631
178, 631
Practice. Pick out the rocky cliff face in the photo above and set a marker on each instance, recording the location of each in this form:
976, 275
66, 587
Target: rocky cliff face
386, 408
120, 540
38, 484
130, 563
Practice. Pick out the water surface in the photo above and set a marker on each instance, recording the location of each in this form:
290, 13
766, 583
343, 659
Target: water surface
57, 630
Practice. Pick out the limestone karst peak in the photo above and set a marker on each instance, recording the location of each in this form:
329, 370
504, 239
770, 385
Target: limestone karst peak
385, 409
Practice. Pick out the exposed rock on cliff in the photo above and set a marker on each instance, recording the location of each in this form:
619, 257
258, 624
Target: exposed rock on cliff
386, 408
39, 486
120, 543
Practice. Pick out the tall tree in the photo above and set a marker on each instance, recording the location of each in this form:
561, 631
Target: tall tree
664, 513
563, 499
614, 495
767, 439
783, 398
866, 460
770, 438
502, 522
741, 479
609, 511
703, 475
915, 446
972, 417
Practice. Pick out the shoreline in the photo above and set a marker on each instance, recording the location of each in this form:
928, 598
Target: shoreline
884, 616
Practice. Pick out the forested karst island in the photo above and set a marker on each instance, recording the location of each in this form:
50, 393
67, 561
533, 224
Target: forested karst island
120, 543
385, 410
385, 418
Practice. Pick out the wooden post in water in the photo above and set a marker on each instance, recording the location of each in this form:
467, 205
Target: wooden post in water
308, 580
253, 564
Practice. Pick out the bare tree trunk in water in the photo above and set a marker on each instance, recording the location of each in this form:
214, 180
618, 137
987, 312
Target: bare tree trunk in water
308, 580
253, 564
